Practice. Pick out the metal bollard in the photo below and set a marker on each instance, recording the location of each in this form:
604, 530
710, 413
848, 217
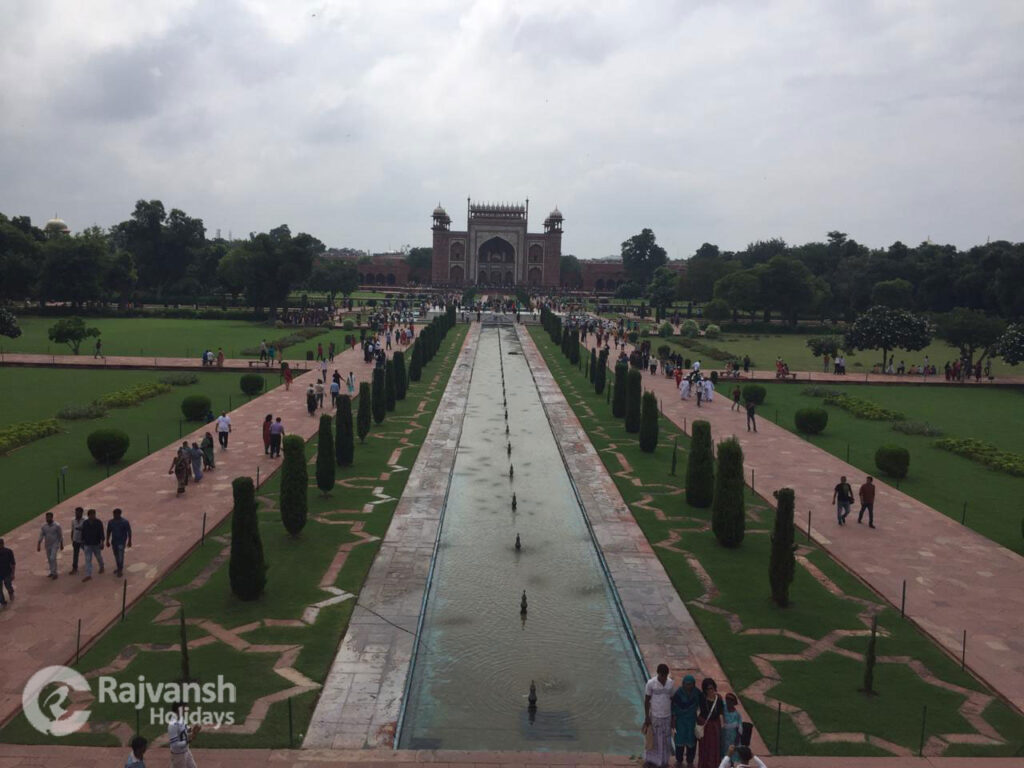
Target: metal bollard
202, 536
903, 600
124, 597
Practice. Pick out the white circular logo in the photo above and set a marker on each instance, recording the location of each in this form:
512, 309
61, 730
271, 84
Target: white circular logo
48, 716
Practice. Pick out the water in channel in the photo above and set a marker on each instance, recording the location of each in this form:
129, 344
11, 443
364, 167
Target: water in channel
477, 655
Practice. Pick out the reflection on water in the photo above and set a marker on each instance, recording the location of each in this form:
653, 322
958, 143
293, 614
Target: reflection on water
477, 656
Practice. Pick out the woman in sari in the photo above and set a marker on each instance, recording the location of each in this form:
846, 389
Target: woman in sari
206, 446
732, 723
266, 433
709, 717
196, 455
181, 467
286, 372
685, 702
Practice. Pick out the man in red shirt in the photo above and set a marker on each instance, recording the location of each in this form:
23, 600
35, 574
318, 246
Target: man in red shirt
867, 501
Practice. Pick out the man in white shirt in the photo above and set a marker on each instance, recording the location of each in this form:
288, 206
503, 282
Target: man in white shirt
223, 429
179, 736
53, 536
658, 718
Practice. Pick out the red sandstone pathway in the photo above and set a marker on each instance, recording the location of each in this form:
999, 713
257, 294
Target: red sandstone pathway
39, 627
956, 578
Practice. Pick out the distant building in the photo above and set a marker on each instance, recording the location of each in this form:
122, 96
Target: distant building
56, 227
495, 248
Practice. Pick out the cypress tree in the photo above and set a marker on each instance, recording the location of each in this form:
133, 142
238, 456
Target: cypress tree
415, 361
401, 382
324, 456
294, 485
390, 393
728, 519
364, 415
648, 422
634, 395
425, 339
619, 391
601, 374
379, 402
700, 467
782, 563
592, 371
247, 571
344, 448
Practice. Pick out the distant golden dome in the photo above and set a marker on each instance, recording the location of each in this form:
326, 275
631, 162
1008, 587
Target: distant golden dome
56, 226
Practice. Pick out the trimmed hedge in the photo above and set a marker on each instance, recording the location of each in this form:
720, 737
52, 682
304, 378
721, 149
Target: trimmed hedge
123, 398
401, 376
863, 409
344, 445
811, 421
712, 332
25, 432
325, 456
984, 453
893, 460
619, 391
107, 446
700, 467
390, 390
649, 423
247, 570
251, 384
782, 563
365, 414
179, 379
634, 395
689, 329
754, 393
379, 400
294, 485
74, 412
922, 428
728, 515
196, 407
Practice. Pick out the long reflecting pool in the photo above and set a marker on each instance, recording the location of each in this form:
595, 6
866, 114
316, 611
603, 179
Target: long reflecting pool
477, 655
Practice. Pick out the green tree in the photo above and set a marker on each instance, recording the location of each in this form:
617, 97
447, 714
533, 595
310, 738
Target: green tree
717, 310
727, 511
1011, 344
896, 294
570, 272
401, 378
634, 395
71, 331
9, 324
72, 269
325, 456
885, 328
649, 423
823, 345
970, 331
333, 276
247, 570
344, 448
782, 563
787, 285
740, 290
294, 485
364, 416
390, 394
661, 291
379, 401
619, 391
421, 262
641, 256
700, 467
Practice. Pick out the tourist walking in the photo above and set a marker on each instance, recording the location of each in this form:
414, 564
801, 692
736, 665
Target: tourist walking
196, 454
119, 536
138, 745
751, 422
350, 383
179, 737
181, 466
323, 371
76, 538
318, 388
685, 702
709, 718
92, 542
335, 390
732, 724
276, 436
867, 501
319, 350
52, 536
658, 719
310, 400
330, 351
267, 423
6, 574
99, 349
741, 757
207, 447
223, 429
842, 497
263, 349
286, 373
735, 398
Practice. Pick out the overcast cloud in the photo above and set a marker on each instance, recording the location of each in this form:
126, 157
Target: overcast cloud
719, 122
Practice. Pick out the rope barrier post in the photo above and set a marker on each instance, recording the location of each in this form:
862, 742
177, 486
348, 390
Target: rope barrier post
903, 600
202, 537
778, 728
963, 652
257, 476
847, 453
924, 720
808, 525
751, 478
58, 489
963, 516
291, 740
147, 444
124, 597
78, 643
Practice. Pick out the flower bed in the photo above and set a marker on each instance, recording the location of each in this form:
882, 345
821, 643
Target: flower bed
984, 453
863, 409
26, 432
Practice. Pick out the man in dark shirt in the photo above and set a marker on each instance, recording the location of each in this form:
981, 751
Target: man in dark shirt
842, 497
751, 406
92, 542
119, 536
867, 502
6, 573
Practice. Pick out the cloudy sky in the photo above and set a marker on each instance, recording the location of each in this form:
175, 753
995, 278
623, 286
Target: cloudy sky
724, 122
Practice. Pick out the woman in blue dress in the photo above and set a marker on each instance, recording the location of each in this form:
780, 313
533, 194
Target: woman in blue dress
684, 709
732, 723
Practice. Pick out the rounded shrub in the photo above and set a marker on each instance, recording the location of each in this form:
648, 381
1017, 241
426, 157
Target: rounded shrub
754, 393
349, 324
712, 331
665, 329
279, 324
689, 329
252, 384
107, 446
195, 407
714, 378
811, 421
893, 460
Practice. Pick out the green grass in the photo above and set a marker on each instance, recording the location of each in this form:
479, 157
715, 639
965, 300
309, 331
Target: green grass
825, 687
164, 337
938, 478
29, 474
296, 566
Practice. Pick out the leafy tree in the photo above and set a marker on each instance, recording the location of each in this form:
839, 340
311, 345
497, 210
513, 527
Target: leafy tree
727, 511
1011, 344
641, 256
344, 449
364, 416
648, 422
421, 262
897, 293
700, 467
72, 268
570, 273
970, 330
782, 564
294, 485
629, 290
9, 324
740, 290
787, 285
717, 310
619, 391
885, 328
119, 277
661, 291
401, 378
634, 393
823, 345
325, 456
389, 385
71, 331
379, 401
163, 245
274, 262
231, 272
247, 570
703, 271
334, 276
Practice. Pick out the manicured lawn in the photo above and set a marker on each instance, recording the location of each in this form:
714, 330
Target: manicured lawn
938, 478
296, 567
29, 474
826, 687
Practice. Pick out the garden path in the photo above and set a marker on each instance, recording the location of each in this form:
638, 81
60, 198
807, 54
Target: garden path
956, 579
